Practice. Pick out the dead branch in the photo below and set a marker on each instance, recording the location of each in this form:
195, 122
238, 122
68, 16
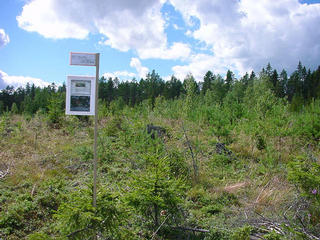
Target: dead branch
194, 162
271, 225
264, 188
155, 233
77, 231
193, 229
4, 173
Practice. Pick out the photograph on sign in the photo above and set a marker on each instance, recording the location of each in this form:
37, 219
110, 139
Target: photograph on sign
83, 59
80, 95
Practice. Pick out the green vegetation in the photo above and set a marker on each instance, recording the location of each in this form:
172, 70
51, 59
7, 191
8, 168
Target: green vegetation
234, 159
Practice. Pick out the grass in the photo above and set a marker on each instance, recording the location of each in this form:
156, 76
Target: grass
227, 192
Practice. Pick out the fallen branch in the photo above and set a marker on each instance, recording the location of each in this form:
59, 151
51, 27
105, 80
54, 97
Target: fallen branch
5, 173
193, 229
277, 227
155, 233
77, 231
194, 162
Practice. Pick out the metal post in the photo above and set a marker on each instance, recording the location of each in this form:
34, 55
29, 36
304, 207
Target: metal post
95, 161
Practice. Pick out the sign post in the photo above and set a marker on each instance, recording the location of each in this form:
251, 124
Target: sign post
95, 135
82, 99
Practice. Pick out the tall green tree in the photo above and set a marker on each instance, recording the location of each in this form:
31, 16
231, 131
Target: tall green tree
229, 80
207, 82
173, 88
154, 86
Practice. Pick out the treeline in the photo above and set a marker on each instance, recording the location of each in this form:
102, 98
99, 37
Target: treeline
299, 88
31, 99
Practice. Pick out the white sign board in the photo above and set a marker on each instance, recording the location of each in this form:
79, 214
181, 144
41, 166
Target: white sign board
80, 97
83, 59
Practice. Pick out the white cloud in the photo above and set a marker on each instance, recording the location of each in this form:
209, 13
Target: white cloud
41, 16
127, 25
176, 51
167, 78
17, 81
199, 64
142, 71
175, 26
248, 34
120, 75
4, 38
241, 34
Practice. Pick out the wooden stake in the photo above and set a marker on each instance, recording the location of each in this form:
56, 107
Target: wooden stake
95, 161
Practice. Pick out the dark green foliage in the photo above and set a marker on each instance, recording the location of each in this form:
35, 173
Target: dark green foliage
51, 195
242, 233
17, 216
27, 212
173, 88
272, 236
14, 108
302, 83
39, 236
1, 107
260, 143
155, 191
229, 80
216, 234
207, 82
306, 175
177, 164
308, 124
77, 217
55, 113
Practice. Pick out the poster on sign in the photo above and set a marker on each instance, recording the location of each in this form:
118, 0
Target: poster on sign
80, 97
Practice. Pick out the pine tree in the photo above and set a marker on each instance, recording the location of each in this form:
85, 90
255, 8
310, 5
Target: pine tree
1, 107
283, 82
208, 81
229, 80
192, 89
252, 78
14, 108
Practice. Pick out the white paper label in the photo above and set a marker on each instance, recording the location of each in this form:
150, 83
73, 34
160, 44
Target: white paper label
83, 59
80, 97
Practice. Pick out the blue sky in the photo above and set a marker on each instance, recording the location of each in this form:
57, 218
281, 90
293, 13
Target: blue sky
173, 37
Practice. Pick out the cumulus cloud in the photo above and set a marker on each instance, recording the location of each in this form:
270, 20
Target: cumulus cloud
4, 38
120, 74
199, 64
126, 24
142, 71
176, 51
238, 34
43, 17
17, 81
248, 34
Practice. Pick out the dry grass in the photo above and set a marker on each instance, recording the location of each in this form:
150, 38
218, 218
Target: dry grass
33, 150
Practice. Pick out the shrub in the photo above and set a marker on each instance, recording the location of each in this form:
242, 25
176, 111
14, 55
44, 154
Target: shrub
308, 124
272, 236
14, 108
218, 234
305, 175
155, 190
242, 233
17, 215
77, 217
38, 236
55, 112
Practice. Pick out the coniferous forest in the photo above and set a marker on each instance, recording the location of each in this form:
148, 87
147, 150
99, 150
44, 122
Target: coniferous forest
225, 158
